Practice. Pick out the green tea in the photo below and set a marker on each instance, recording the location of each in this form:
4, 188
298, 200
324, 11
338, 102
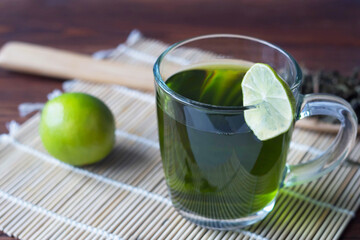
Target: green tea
215, 167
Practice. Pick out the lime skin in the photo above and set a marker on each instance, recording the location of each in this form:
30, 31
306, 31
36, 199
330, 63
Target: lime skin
77, 128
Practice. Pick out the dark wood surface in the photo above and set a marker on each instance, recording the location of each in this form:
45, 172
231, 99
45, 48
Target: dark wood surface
323, 34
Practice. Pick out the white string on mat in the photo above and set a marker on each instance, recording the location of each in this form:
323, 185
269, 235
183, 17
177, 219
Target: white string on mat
137, 138
56, 216
135, 54
68, 85
126, 49
135, 94
318, 203
27, 108
134, 36
252, 235
147, 58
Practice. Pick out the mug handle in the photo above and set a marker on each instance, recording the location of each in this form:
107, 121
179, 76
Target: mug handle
324, 104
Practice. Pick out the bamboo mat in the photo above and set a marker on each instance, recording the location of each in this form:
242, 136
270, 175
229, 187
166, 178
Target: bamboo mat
125, 196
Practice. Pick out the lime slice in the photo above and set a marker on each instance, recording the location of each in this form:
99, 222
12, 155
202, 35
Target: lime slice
275, 102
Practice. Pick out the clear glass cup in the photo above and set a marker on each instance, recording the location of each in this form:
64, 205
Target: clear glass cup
209, 152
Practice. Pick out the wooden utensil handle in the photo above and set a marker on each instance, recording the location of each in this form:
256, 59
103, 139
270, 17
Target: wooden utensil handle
319, 126
46, 61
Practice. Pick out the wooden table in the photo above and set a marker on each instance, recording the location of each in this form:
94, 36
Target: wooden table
322, 34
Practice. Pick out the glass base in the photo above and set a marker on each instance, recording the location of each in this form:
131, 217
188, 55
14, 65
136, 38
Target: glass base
227, 224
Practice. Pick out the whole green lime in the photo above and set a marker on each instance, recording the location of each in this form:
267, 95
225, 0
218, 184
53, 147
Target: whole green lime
77, 128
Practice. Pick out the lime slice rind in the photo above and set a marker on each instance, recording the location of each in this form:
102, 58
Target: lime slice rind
275, 103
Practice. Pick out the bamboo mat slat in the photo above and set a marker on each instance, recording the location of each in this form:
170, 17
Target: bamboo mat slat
125, 196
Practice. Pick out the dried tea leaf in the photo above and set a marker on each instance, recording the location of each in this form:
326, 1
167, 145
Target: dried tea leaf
333, 82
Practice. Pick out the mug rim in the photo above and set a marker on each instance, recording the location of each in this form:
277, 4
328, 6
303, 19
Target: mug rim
204, 106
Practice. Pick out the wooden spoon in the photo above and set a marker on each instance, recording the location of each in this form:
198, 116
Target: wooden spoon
46, 61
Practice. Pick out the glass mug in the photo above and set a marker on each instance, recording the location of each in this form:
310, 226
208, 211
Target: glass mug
219, 175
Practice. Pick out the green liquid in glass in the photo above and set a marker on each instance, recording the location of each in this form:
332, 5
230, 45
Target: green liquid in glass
214, 165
